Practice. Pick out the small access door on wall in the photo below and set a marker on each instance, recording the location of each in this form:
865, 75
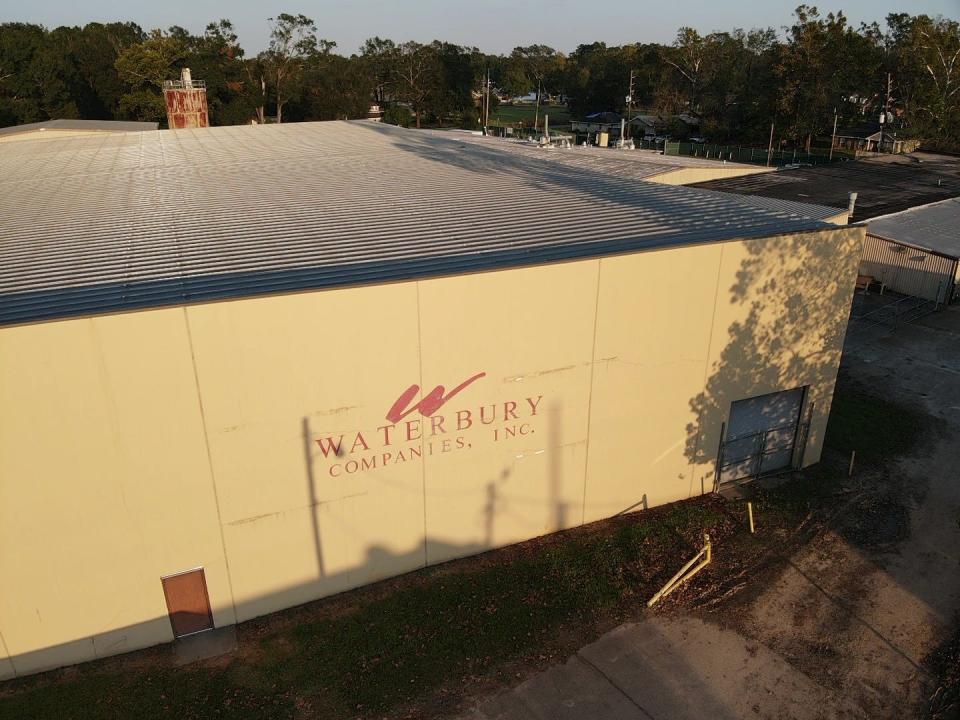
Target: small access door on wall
188, 602
761, 435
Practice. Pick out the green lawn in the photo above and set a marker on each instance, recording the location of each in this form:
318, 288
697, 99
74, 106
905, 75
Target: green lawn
512, 114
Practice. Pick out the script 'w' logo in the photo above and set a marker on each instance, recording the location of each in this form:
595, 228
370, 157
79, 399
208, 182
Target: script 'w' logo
430, 403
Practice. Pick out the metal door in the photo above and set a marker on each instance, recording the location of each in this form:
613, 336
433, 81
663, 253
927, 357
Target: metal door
761, 435
188, 602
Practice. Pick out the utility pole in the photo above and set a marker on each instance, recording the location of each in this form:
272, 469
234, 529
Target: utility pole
883, 112
770, 146
536, 116
833, 138
628, 127
486, 104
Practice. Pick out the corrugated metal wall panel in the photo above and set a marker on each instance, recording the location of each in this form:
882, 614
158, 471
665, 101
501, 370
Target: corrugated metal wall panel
909, 270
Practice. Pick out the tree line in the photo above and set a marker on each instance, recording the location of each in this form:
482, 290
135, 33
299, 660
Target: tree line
738, 82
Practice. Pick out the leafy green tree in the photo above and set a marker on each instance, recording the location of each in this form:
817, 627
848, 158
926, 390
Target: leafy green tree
596, 79
144, 67
737, 81
334, 88
542, 69
378, 56
453, 93
924, 59
823, 64
151, 62
95, 49
416, 73
217, 58
397, 115
20, 101
293, 41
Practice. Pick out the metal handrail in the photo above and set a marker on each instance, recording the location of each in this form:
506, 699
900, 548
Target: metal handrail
905, 310
180, 85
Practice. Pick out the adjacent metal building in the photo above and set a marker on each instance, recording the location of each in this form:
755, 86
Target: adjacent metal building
242, 368
916, 252
50, 129
647, 165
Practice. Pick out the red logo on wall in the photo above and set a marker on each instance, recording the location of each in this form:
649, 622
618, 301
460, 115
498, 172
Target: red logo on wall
434, 433
431, 402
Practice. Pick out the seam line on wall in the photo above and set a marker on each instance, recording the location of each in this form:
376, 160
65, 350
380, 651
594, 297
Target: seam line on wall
6, 651
213, 480
593, 370
706, 372
423, 464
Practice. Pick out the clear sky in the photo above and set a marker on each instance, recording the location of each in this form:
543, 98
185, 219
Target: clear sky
491, 25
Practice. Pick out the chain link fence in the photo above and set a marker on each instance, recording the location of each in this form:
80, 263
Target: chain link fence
753, 155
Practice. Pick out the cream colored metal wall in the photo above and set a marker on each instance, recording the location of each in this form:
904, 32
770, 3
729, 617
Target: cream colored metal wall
691, 175
137, 445
48, 133
275, 374
104, 486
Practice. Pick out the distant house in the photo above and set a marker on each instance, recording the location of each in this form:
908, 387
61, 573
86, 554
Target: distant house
599, 128
530, 97
642, 124
646, 125
65, 128
869, 139
608, 122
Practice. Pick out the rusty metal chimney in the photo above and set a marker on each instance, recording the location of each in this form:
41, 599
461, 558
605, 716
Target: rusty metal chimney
186, 101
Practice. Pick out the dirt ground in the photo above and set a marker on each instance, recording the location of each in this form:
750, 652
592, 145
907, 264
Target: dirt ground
847, 626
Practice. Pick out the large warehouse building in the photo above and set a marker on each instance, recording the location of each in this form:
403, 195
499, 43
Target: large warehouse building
245, 367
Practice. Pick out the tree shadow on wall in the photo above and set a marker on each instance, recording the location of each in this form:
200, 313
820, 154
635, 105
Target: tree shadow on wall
786, 316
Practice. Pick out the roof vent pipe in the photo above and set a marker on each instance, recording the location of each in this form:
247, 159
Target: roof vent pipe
853, 202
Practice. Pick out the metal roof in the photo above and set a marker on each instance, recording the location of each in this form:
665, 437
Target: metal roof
90, 125
636, 164
884, 184
930, 227
114, 222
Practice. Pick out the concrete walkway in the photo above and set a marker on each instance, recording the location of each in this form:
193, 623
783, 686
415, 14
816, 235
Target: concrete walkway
668, 669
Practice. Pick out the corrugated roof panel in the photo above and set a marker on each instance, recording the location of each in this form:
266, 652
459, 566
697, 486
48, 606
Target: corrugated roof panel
636, 164
932, 227
106, 223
